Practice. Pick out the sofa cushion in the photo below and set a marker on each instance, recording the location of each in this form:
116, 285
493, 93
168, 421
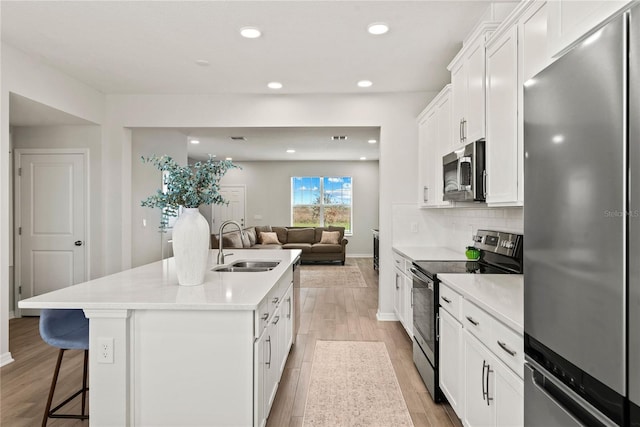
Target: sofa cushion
318, 235
259, 246
326, 248
246, 241
301, 235
282, 233
261, 228
330, 237
305, 247
232, 240
269, 238
253, 237
340, 229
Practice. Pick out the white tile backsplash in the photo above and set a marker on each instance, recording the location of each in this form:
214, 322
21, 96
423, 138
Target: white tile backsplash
451, 227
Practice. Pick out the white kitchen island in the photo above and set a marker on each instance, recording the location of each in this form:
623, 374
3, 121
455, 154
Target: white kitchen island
207, 355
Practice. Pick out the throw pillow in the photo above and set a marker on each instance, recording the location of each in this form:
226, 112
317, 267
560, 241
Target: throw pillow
269, 238
330, 237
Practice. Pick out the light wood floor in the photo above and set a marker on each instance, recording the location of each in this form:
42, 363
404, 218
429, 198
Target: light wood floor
327, 314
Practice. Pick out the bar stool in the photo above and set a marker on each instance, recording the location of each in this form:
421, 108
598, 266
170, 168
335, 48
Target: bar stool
67, 330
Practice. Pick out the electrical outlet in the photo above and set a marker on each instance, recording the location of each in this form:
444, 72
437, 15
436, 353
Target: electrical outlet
105, 350
414, 227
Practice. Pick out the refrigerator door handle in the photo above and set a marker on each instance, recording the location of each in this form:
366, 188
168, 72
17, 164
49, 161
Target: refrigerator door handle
568, 393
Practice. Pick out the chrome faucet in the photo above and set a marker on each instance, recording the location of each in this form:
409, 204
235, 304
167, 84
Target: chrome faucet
220, 252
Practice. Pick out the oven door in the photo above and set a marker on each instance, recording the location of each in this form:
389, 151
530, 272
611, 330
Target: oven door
424, 314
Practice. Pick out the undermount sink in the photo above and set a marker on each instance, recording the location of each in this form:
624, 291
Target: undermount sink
248, 267
256, 264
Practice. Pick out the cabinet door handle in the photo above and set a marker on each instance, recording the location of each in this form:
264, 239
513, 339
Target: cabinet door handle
473, 322
464, 130
265, 316
411, 297
289, 313
484, 393
268, 363
460, 130
275, 300
507, 349
276, 320
397, 277
447, 300
489, 399
437, 326
425, 194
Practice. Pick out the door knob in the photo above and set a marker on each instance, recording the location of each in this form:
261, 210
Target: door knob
78, 243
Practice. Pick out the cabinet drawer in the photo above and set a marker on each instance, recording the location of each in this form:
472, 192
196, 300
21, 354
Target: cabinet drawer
262, 316
451, 301
400, 263
508, 345
477, 321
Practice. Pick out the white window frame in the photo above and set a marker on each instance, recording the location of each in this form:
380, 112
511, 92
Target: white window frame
322, 205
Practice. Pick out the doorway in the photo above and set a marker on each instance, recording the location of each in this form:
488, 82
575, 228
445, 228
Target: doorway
51, 218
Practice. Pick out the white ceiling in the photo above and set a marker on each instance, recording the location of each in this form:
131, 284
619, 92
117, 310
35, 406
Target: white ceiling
150, 47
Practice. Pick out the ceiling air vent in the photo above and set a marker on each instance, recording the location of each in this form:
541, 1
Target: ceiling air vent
238, 138
338, 138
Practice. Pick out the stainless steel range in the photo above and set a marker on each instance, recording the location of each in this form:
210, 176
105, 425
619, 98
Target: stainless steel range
500, 253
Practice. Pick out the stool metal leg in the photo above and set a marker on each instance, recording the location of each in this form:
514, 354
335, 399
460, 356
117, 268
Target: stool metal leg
51, 413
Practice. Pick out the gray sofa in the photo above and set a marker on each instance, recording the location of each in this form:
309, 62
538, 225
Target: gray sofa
307, 239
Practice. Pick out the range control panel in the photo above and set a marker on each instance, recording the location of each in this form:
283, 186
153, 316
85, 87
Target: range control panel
498, 241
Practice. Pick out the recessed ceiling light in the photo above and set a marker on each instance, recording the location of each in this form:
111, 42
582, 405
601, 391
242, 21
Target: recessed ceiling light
274, 85
377, 28
195, 141
363, 158
250, 32
202, 62
229, 158
372, 141
365, 83
291, 151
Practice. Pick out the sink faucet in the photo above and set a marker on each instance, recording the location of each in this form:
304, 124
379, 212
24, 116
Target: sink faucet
220, 252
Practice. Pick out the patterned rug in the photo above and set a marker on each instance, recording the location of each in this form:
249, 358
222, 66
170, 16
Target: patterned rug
331, 276
353, 384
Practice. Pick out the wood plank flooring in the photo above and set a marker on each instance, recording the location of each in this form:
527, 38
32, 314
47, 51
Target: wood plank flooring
327, 314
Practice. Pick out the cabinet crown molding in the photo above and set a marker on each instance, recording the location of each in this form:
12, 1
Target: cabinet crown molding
512, 19
435, 101
483, 29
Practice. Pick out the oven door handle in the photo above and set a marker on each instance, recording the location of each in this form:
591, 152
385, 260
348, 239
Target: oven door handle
421, 277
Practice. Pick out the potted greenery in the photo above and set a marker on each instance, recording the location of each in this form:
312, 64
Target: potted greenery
188, 187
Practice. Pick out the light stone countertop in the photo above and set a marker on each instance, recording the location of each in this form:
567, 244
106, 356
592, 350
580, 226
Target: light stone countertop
501, 295
155, 286
422, 253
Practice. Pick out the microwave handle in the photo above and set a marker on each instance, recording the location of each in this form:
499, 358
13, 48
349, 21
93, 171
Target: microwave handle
484, 183
462, 160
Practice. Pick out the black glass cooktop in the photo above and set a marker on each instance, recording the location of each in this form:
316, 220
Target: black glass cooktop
433, 268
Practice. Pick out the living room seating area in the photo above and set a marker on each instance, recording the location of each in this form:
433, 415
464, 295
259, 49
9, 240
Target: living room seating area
316, 243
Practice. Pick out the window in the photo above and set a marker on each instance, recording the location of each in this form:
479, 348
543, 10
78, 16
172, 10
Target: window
321, 201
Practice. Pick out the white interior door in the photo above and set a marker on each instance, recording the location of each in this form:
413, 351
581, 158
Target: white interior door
235, 210
51, 217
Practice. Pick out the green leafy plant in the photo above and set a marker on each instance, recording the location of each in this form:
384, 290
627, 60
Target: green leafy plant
188, 186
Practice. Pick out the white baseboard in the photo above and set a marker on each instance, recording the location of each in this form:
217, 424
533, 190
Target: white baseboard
386, 317
360, 256
5, 359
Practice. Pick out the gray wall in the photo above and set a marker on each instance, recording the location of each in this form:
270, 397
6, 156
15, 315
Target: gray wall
268, 194
147, 243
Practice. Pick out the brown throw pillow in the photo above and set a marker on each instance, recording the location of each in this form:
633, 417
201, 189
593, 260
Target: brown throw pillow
269, 238
330, 237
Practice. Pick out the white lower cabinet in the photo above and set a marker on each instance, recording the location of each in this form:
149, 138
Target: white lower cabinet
481, 362
451, 352
403, 292
272, 349
494, 395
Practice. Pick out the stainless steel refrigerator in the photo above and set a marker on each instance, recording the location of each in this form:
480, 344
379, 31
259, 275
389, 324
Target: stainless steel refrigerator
582, 222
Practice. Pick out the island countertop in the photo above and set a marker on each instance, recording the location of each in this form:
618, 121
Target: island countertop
155, 286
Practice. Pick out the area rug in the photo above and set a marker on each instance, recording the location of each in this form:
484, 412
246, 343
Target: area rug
353, 384
330, 276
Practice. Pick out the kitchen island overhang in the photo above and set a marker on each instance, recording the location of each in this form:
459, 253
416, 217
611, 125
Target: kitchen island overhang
183, 355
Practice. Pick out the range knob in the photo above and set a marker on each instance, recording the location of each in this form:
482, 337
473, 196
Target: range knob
508, 244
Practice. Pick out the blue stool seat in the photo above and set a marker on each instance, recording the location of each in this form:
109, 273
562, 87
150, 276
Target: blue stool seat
67, 330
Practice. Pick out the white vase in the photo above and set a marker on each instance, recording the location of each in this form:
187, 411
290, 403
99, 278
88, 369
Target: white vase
191, 238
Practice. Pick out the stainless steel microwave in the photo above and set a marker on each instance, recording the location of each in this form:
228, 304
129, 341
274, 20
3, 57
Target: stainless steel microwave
464, 173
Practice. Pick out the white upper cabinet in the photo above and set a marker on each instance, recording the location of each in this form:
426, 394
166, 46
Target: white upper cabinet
570, 21
502, 118
434, 133
468, 86
515, 53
